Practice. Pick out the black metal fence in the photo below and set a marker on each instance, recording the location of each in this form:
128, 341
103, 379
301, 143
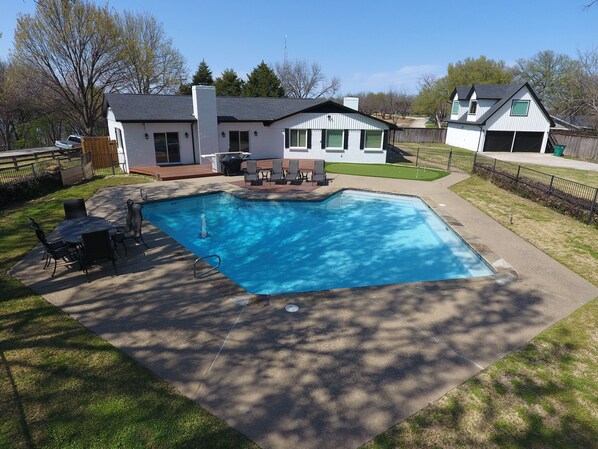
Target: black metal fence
570, 197
443, 159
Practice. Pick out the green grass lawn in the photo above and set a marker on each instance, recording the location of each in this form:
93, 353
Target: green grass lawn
61, 386
385, 171
545, 394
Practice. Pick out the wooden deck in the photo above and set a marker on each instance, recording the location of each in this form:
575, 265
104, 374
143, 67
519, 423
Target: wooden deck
172, 172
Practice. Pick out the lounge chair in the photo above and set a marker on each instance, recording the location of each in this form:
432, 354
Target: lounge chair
134, 232
277, 173
293, 174
252, 174
74, 209
97, 247
319, 174
68, 254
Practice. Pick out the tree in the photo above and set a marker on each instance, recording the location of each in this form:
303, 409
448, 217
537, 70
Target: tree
302, 80
481, 71
397, 104
229, 84
203, 75
75, 46
587, 82
151, 64
547, 74
262, 82
433, 98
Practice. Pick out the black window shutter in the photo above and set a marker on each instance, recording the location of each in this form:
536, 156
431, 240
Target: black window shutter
346, 139
362, 139
323, 138
385, 140
308, 139
286, 137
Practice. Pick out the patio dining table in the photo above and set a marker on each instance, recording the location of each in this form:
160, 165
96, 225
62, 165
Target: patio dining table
72, 230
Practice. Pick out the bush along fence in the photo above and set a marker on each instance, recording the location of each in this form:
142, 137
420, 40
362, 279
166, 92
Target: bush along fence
35, 179
568, 197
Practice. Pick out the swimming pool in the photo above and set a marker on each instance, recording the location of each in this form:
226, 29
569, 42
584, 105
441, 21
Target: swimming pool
352, 239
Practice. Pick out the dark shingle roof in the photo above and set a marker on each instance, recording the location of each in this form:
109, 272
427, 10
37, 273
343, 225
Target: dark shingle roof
248, 109
462, 92
179, 108
150, 108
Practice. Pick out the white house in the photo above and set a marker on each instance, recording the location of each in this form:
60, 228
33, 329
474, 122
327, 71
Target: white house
498, 117
174, 129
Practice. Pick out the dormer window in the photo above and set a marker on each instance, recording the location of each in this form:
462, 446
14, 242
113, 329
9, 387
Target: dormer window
473, 107
455, 109
520, 108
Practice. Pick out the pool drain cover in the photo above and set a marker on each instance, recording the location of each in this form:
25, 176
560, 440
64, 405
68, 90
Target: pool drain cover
291, 308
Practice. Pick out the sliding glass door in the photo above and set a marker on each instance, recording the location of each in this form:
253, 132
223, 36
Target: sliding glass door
167, 148
238, 141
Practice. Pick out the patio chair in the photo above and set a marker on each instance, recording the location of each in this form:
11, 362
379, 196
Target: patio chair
68, 254
252, 174
293, 174
277, 173
74, 209
134, 232
319, 174
54, 244
97, 247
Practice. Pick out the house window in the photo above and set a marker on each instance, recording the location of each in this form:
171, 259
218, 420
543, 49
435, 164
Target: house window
373, 139
334, 138
119, 138
455, 110
238, 141
167, 148
298, 138
473, 107
520, 108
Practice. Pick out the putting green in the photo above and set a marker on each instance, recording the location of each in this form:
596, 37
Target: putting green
386, 171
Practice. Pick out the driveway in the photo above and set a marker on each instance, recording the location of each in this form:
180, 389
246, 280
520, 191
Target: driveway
548, 160
350, 363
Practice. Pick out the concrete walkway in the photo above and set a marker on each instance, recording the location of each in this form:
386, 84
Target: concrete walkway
548, 160
350, 363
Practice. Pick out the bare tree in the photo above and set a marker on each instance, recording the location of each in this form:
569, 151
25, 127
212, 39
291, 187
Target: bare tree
74, 46
588, 81
433, 98
151, 64
397, 104
300, 79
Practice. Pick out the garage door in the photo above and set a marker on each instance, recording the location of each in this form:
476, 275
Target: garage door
527, 141
498, 141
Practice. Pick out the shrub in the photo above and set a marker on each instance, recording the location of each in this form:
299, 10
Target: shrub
29, 188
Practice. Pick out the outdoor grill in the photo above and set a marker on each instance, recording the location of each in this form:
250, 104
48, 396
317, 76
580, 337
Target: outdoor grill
231, 163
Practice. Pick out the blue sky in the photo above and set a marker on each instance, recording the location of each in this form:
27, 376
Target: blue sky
370, 46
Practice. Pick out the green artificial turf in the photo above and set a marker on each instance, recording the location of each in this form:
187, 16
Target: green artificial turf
386, 171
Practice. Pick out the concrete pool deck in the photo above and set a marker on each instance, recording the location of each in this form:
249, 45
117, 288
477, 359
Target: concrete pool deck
349, 363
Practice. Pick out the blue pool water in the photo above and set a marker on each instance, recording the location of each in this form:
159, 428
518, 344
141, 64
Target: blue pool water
352, 239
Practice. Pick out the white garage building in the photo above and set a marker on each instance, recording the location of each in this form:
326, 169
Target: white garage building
499, 117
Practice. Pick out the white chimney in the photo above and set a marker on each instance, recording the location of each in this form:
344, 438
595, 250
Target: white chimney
204, 110
351, 102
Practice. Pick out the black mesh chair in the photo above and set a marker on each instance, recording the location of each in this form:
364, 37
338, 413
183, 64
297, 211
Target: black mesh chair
97, 247
54, 244
134, 232
293, 175
277, 173
74, 209
319, 174
68, 254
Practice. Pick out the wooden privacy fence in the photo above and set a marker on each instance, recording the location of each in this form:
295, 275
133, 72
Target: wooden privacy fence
584, 147
104, 152
420, 135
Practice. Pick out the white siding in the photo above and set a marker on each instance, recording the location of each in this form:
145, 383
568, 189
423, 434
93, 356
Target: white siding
463, 136
483, 107
122, 152
140, 151
267, 144
535, 120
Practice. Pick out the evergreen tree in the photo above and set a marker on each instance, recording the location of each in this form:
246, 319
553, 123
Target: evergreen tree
229, 84
203, 75
262, 82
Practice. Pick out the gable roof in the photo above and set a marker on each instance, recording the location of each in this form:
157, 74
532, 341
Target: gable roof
503, 93
179, 108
